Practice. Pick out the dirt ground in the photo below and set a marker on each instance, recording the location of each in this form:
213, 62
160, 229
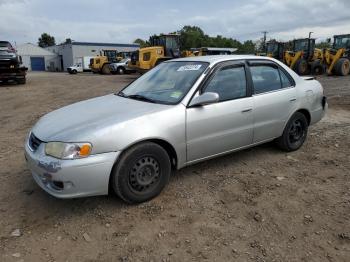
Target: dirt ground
260, 204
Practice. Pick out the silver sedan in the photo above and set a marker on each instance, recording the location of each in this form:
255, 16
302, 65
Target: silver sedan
182, 112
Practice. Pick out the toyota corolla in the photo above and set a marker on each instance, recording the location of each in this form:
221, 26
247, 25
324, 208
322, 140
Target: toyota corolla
182, 112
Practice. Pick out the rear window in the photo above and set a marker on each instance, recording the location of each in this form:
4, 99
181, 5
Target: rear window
5, 44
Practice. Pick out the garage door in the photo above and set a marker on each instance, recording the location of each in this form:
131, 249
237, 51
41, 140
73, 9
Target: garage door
37, 63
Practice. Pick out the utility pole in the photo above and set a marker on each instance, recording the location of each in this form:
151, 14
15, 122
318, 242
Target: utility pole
310, 34
264, 40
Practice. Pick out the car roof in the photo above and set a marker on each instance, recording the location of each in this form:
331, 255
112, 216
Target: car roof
213, 59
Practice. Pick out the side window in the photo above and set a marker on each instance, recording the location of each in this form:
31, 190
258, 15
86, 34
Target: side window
285, 80
229, 83
265, 78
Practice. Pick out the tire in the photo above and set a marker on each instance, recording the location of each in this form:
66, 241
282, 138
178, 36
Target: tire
301, 67
121, 71
294, 134
141, 173
106, 70
21, 81
342, 67
317, 68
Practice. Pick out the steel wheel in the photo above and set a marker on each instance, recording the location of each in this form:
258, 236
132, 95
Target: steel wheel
294, 134
144, 175
296, 131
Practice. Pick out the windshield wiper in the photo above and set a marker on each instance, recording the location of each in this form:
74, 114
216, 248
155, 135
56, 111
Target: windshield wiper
121, 94
141, 98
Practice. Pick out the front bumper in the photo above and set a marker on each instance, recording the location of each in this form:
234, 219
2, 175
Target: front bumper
71, 178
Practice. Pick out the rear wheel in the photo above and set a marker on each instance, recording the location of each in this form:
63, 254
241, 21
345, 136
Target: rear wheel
294, 134
342, 67
141, 173
106, 70
301, 67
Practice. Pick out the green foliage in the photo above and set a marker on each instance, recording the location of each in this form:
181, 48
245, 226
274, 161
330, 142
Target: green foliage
141, 42
46, 40
194, 37
324, 44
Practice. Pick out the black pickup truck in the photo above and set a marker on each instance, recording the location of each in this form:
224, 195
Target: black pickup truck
11, 68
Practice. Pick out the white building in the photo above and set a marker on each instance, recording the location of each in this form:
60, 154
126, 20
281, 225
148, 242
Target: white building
38, 59
72, 53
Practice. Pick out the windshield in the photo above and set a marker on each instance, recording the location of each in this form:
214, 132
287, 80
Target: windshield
342, 42
301, 45
272, 47
167, 83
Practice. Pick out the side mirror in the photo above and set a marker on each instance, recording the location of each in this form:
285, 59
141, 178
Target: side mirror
205, 99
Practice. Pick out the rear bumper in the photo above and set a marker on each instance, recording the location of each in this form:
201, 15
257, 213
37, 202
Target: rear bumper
318, 114
71, 178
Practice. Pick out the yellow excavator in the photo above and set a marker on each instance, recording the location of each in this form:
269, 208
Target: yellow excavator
304, 57
337, 58
100, 64
163, 47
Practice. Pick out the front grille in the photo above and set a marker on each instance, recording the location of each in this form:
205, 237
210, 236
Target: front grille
34, 142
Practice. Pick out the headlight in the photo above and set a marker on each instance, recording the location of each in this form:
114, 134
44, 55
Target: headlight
68, 150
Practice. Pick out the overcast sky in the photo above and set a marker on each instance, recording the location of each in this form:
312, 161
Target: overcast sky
124, 21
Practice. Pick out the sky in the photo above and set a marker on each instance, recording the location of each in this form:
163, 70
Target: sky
116, 21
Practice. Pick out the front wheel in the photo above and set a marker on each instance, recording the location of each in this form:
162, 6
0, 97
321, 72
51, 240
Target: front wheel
294, 134
106, 70
141, 173
121, 70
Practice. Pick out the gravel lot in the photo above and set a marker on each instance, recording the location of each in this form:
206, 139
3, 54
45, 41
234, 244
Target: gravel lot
260, 204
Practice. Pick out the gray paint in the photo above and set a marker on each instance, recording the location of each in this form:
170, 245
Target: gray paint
112, 124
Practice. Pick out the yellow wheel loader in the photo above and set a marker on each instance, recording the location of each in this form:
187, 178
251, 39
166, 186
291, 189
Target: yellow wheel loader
304, 57
273, 49
100, 64
163, 47
337, 58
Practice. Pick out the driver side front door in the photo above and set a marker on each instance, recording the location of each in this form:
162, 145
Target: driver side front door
226, 125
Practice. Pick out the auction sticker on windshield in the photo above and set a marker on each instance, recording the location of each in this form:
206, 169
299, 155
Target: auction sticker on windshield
189, 68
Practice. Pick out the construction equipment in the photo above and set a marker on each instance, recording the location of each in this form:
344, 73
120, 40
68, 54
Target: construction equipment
304, 57
203, 51
11, 68
275, 50
337, 58
163, 47
100, 64
123, 55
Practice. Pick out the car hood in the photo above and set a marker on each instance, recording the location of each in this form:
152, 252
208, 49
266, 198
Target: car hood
80, 122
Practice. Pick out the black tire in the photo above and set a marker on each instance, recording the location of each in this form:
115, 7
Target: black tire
106, 70
342, 67
21, 81
317, 68
141, 173
301, 67
121, 70
294, 134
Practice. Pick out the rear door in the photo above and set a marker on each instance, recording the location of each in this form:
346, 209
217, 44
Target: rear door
226, 125
274, 99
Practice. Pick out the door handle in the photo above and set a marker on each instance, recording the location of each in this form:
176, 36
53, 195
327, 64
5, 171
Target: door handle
247, 110
293, 100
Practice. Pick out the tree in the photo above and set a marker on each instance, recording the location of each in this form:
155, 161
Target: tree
46, 40
324, 44
141, 42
